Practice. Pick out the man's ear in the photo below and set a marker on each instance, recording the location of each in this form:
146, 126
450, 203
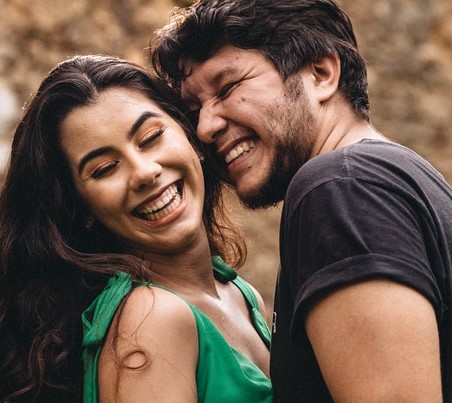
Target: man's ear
326, 73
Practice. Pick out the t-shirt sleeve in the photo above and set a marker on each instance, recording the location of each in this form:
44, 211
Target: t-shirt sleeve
348, 230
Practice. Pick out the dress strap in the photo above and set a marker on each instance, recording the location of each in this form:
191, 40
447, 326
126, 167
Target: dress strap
97, 318
224, 273
96, 321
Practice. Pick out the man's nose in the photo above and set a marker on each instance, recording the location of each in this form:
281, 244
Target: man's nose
211, 123
144, 173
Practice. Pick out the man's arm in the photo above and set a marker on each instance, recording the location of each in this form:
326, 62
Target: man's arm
377, 341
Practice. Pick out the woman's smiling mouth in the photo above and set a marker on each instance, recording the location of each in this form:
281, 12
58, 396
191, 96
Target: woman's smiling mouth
161, 206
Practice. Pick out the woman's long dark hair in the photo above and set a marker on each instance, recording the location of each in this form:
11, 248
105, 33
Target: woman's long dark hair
51, 267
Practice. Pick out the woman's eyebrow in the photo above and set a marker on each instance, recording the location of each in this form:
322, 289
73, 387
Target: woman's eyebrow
141, 119
102, 150
89, 156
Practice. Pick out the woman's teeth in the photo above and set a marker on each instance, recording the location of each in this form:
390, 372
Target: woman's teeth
238, 150
168, 201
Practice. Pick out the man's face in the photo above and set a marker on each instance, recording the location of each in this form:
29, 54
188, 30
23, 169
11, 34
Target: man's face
260, 128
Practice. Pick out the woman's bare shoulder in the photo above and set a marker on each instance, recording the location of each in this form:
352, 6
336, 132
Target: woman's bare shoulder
153, 341
156, 308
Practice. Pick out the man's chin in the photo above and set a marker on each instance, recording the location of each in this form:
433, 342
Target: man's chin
259, 199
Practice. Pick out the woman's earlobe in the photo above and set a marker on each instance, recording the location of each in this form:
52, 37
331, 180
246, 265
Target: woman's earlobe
89, 222
201, 156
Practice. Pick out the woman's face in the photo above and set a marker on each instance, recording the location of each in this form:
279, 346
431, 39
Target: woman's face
136, 171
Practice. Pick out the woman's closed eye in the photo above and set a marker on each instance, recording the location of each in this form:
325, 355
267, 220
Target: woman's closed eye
104, 170
150, 137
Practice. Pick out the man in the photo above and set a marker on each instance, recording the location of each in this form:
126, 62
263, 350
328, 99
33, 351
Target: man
362, 305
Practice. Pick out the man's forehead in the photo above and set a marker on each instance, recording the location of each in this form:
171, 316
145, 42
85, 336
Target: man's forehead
228, 53
210, 71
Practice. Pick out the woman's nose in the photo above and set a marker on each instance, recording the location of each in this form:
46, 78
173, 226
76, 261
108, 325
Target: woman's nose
144, 173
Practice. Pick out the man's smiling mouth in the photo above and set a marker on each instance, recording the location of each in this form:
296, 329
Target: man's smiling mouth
240, 149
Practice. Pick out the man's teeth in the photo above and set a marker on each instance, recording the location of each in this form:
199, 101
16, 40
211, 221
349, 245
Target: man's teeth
165, 204
238, 150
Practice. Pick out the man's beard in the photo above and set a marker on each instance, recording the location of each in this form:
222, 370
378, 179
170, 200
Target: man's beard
292, 144
273, 189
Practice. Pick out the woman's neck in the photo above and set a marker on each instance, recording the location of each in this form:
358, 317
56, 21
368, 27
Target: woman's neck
183, 272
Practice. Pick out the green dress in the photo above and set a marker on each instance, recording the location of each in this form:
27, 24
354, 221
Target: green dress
223, 374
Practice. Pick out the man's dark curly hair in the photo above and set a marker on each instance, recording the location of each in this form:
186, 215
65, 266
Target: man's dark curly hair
290, 33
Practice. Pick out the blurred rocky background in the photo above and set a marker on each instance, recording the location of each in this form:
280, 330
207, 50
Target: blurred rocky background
407, 45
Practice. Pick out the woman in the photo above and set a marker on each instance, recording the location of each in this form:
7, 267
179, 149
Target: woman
103, 211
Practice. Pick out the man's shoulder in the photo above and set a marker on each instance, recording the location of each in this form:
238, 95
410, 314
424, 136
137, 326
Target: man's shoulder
365, 159
381, 163
362, 152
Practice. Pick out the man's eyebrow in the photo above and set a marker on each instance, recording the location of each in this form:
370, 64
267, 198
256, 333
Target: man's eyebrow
220, 75
102, 150
214, 81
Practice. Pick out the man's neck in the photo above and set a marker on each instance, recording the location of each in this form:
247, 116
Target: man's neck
341, 129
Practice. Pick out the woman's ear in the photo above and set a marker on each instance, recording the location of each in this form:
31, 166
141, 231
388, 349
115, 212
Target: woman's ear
326, 73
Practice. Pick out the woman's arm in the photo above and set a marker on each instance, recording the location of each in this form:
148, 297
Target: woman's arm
153, 354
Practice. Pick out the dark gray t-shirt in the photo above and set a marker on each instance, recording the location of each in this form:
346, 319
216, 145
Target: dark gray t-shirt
372, 209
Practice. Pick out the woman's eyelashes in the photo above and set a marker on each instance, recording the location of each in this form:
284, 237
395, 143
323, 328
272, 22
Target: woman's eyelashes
104, 170
150, 137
